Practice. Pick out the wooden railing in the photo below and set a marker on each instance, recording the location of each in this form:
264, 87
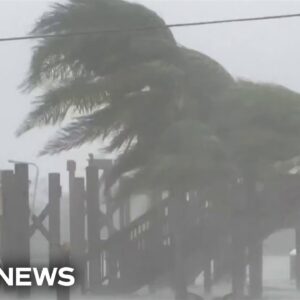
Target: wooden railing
142, 251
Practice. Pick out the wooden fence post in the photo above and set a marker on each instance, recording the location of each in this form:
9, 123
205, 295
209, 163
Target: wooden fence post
64, 293
54, 218
8, 198
71, 167
79, 243
22, 215
93, 212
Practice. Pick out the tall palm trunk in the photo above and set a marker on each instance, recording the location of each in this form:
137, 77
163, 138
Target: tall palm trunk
177, 225
255, 244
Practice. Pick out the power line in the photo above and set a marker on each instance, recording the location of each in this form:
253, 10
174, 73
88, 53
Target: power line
146, 28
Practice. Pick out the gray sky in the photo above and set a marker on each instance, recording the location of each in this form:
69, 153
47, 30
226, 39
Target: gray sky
263, 51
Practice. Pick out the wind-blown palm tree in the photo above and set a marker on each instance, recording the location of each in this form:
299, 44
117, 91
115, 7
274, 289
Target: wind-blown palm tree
128, 87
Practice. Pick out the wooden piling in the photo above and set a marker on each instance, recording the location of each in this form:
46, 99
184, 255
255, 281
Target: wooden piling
22, 215
62, 292
93, 225
78, 242
54, 218
71, 167
8, 202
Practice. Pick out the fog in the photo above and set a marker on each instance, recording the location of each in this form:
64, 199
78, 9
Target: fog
214, 210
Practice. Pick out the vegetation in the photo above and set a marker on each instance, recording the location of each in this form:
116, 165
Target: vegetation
175, 118
133, 89
259, 124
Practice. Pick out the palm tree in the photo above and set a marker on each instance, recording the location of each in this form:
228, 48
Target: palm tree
99, 76
129, 87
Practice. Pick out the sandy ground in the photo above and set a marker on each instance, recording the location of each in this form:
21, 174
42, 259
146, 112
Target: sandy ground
277, 286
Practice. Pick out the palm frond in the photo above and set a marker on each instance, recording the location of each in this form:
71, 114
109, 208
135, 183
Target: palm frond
100, 54
80, 96
259, 122
83, 130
